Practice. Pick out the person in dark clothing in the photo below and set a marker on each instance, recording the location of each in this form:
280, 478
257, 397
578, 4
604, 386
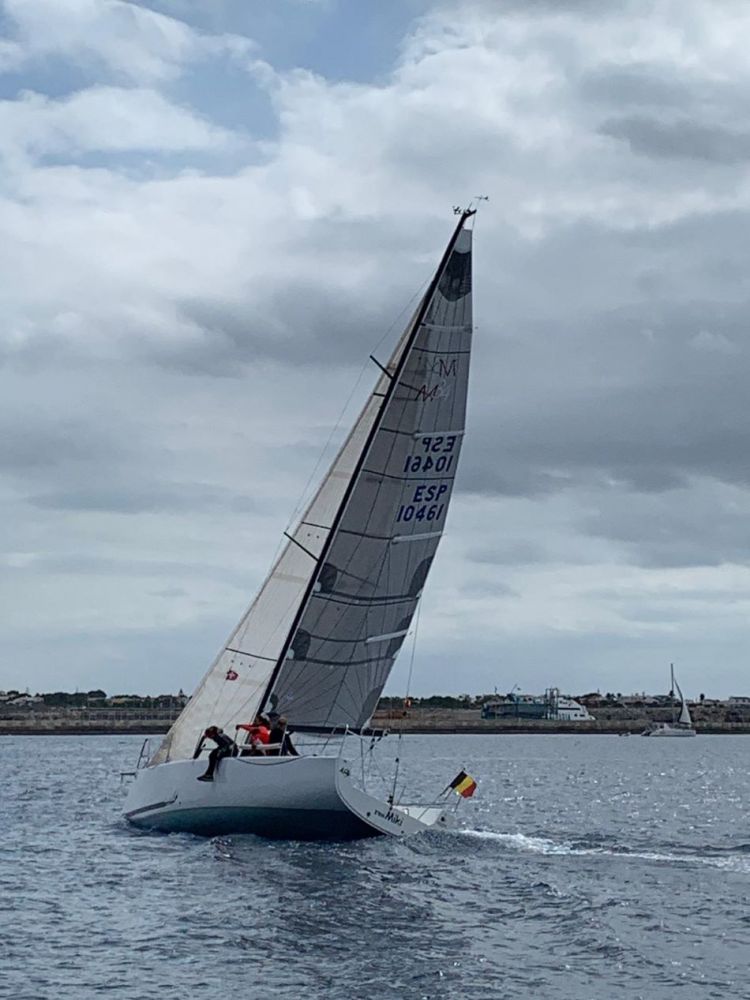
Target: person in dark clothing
280, 736
225, 747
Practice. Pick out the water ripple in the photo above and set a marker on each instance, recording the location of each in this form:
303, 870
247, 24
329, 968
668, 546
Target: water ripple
585, 868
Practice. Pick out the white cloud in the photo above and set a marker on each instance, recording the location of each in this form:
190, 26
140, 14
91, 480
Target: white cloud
104, 119
132, 42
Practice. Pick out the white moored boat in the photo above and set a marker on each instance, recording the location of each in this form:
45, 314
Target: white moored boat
318, 642
681, 725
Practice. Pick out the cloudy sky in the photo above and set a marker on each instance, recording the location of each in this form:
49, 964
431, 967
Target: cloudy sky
212, 211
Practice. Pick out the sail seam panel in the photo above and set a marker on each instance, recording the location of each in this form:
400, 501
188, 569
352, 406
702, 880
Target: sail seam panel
405, 477
354, 600
431, 350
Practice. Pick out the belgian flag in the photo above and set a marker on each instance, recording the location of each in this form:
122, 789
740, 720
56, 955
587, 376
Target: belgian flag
463, 784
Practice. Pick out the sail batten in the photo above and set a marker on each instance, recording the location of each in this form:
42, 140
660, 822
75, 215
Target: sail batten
248, 652
387, 635
398, 539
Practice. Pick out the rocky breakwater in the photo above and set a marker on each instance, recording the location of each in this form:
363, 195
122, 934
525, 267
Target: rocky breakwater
82, 721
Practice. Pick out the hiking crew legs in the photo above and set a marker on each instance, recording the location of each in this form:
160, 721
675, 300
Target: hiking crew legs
214, 757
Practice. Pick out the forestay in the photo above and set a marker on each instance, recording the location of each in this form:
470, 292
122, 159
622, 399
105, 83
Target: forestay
323, 632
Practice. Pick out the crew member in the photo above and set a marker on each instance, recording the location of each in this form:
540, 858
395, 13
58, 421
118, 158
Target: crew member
280, 736
258, 736
225, 747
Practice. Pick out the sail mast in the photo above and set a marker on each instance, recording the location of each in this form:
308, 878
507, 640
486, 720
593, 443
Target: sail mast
394, 380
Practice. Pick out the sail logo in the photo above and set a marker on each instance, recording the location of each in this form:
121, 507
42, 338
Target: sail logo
427, 394
443, 367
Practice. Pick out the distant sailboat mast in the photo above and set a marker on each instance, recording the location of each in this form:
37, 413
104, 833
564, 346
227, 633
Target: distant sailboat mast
679, 726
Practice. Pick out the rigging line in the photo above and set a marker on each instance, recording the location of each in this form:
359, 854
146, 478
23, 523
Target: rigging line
408, 692
362, 371
404, 309
413, 647
339, 420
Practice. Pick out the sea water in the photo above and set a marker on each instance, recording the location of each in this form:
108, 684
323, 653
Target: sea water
585, 868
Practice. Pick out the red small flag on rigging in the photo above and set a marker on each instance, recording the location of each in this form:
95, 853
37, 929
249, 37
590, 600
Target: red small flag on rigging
232, 675
463, 784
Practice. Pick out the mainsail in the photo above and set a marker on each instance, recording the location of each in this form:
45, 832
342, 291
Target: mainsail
320, 638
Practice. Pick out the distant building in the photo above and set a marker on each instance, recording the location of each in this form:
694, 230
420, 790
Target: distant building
19, 698
571, 711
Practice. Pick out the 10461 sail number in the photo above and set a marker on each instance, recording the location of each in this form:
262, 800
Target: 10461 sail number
425, 504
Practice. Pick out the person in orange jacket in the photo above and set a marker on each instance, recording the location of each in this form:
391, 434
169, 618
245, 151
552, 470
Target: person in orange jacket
258, 736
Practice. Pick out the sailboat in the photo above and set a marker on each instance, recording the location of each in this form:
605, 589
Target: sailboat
681, 725
319, 640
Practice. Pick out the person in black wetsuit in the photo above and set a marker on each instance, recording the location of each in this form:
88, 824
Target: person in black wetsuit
225, 747
280, 736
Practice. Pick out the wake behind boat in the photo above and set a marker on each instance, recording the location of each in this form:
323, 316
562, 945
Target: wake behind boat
317, 644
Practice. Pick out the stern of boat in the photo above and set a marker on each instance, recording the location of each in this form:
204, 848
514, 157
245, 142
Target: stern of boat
399, 820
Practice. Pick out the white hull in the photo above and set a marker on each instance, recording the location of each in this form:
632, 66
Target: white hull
668, 730
300, 798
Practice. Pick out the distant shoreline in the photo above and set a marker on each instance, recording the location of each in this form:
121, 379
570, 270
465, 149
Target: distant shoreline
405, 726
